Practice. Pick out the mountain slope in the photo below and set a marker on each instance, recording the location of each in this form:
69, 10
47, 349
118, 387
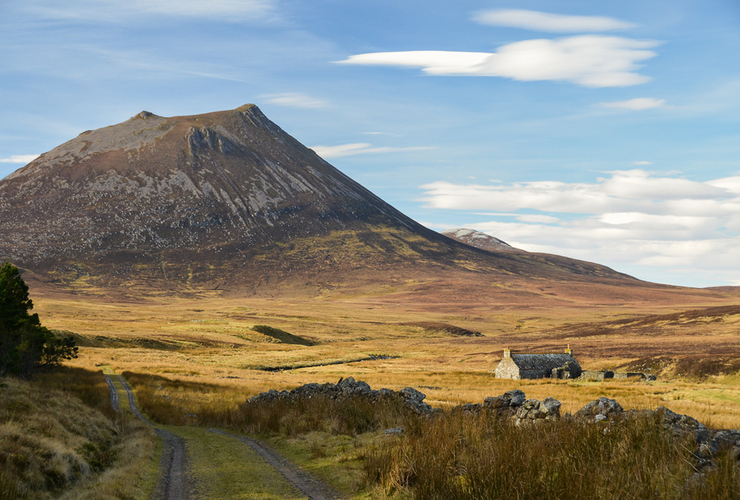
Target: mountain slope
221, 197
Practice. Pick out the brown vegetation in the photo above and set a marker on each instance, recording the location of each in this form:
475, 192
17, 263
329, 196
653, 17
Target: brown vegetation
462, 456
59, 438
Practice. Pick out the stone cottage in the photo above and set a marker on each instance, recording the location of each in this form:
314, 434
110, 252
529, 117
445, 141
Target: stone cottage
519, 366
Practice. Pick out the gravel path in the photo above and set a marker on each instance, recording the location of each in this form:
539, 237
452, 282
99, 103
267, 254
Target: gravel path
174, 483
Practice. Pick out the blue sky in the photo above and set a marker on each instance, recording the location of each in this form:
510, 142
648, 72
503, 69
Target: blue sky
604, 131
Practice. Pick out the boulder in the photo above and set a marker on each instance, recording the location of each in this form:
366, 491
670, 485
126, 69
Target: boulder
606, 407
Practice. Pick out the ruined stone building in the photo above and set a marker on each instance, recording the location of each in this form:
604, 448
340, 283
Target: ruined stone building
519, 366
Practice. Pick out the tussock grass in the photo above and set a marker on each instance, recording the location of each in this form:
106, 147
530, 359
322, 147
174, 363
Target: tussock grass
218, 406
59, 438
351, 416
461, 456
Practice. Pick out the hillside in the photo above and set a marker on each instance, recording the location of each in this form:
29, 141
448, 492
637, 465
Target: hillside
225, 200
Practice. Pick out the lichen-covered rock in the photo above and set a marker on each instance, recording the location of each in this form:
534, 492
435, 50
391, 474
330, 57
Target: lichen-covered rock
509, 399
603, 406
533, 410
412, 394
551, 407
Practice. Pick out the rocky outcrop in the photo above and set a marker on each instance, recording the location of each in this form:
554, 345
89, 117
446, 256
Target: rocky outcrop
344, 389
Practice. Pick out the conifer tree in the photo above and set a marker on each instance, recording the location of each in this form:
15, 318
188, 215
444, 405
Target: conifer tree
24, 343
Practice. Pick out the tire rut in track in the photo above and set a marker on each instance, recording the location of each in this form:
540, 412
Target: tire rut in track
174, 481
173, 465
312, 487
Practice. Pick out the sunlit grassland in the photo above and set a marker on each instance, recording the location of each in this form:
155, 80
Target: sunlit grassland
210, 341
59, 438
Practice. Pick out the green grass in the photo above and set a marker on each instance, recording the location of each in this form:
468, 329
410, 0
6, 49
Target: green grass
324, 454
225, 468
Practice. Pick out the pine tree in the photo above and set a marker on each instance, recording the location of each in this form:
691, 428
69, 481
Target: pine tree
24, 343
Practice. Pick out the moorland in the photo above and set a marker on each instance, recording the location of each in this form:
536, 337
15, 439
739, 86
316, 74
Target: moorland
207, 259
194, 360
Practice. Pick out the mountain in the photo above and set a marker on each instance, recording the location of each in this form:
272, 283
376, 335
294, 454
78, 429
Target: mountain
480, 240
224, 199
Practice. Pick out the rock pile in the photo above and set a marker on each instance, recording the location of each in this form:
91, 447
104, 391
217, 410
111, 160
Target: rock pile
515, 405
344, 389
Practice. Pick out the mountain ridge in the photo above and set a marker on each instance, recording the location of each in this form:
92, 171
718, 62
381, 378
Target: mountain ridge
225, 196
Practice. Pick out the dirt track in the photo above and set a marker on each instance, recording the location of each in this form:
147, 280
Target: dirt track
175, 482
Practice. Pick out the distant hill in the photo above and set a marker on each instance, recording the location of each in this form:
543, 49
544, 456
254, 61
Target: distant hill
224, 200
480, 240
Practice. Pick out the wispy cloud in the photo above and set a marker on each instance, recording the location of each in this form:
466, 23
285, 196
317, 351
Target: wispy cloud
359, 148
554, 23
637, 104
641, 163
116, 11
295, 100
626, 218
19, 159
587, 60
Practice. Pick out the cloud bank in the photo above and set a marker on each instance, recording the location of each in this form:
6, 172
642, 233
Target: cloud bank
627, 219
587, 60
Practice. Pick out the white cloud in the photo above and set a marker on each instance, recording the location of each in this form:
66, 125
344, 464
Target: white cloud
117, 11
555, 23
295, 100
642, 163
588, 60
19, 159
637, 104
359, 148
634, 221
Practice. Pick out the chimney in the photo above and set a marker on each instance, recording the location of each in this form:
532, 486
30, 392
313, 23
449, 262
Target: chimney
507, 352
568, 350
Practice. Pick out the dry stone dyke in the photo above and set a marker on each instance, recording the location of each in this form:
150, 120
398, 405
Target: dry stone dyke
515, 406
344, 389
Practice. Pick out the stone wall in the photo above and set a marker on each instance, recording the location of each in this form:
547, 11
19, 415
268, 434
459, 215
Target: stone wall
507, 369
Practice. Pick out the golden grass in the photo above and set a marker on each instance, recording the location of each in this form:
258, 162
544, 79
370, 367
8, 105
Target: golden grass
193, 358
60, 439
209, 340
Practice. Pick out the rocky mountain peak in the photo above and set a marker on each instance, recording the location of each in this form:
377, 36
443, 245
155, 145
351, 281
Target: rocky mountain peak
206, 199
479, 239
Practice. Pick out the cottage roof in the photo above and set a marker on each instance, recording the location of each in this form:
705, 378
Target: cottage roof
541, 361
